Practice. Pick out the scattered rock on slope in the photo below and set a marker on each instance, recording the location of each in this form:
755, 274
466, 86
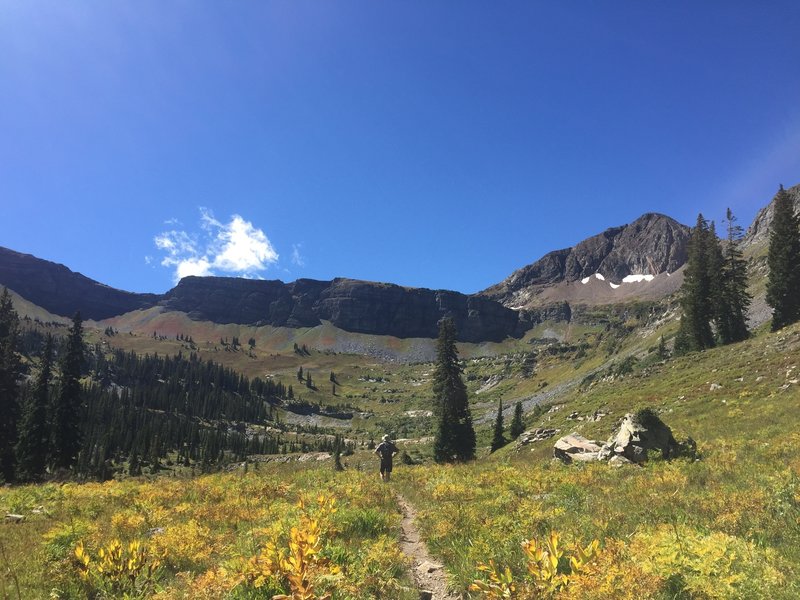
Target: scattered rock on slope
637, 435
574, 447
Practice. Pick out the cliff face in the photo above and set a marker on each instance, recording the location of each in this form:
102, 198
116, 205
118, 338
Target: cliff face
758, 232
650, 245
359, 306
63, 292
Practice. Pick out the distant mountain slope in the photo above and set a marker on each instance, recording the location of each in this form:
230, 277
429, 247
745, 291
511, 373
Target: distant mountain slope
758, 232
639, 261
61, 291
652, 245
356, 306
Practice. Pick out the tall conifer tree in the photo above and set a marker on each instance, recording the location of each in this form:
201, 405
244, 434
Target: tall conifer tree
34, 434
783, 285
9, 390
517, 425
68, 407
696, 300
731, 320
455, 436
498, 439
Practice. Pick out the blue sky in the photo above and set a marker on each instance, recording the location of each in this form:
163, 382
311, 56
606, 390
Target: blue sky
426, 143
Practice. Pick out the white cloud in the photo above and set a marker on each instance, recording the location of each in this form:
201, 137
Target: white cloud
233, 248
192, 266
297, 258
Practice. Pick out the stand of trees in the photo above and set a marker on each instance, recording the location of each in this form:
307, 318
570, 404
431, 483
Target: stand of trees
714, 295
88, 412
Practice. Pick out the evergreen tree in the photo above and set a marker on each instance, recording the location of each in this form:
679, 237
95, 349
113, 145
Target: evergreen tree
517, 424
9, 390
67, 409
498, 439
455, 436
300, 374
695, 332
34, 434
783, 285
731, 318
663, 353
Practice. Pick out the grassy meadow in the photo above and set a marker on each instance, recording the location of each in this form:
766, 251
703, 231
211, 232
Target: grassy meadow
514, 524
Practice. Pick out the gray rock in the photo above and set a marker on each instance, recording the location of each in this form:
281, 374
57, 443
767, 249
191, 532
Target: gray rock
536, 435
637, 434
574, 447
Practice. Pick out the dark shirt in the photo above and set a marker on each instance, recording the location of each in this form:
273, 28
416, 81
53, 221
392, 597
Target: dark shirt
386, 449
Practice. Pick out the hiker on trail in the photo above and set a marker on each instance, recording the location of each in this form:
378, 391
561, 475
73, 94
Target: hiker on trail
386, 450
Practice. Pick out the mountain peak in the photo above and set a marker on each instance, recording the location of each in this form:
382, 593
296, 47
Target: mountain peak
650, 245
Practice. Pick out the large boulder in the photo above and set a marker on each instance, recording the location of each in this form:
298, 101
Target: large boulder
637, 435
574, 447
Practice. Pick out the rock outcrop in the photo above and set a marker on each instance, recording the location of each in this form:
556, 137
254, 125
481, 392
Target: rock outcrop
637, 435
758, 232
574, 447
63, 292
357, 306
651, 245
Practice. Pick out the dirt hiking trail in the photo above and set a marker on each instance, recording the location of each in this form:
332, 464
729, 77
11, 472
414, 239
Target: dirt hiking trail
429, 574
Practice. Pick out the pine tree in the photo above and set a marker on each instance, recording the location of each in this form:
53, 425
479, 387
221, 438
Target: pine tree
783, 285
9, 390
67, 409
663, 353
455, 436
517, 424
695, 332
498, 439
34, 434
731, 319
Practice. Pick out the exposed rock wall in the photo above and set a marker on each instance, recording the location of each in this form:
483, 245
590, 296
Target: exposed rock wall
63, 292
650, 245
758, 232
359, 306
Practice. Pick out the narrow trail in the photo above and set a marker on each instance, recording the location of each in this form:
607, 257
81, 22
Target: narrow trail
429, 575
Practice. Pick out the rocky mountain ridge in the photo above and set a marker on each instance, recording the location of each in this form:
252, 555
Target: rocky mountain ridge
758, 232
62, 291
356, 306
651, 245
639, 261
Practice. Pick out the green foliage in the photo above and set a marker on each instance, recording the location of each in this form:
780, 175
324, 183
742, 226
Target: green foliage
696, 293
783, 286
517, 424
9, 391
34, 434
498, 439
455, 436
732, 300
67, 413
